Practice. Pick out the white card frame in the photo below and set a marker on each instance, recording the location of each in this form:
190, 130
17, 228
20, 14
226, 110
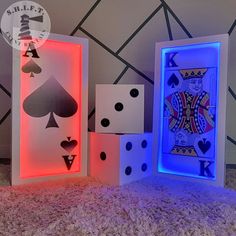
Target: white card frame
222, 92
16, 83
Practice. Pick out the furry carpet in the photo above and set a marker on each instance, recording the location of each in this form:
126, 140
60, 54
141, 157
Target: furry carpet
152, 206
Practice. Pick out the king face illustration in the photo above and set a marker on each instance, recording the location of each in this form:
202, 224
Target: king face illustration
189, 109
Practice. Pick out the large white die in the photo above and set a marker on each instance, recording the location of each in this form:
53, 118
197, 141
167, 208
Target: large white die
119, 108
119, 159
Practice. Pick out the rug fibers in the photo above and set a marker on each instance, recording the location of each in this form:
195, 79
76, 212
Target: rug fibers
152, 206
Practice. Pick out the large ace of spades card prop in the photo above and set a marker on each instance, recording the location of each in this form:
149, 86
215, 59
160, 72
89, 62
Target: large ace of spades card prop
49, 130
190, 108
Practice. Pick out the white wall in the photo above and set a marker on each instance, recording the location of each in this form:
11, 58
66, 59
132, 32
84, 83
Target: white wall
111, 24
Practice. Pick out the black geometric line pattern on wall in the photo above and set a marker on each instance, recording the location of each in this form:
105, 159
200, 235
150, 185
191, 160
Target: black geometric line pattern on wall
5, 90
232, 93
168, 23
232, 27
231, 140
139, 29
5, 116
167, 10
176, 19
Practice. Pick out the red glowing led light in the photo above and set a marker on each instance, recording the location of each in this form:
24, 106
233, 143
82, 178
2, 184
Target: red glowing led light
40, 151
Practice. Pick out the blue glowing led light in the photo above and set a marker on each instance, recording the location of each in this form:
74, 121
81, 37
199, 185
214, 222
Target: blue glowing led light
185, 171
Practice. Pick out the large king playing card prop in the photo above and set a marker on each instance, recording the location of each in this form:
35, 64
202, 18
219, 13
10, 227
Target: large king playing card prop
190, 107
50, 110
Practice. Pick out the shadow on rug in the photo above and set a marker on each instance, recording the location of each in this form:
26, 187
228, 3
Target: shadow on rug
5, 177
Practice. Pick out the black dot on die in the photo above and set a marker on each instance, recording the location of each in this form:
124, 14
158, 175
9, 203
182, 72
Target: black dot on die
119, 106
103, 156
105, 122
144, 144
128, 146
144, 167
128, 170
134, 93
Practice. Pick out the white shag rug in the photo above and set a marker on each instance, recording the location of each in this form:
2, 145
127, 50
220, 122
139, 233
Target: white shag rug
152, 206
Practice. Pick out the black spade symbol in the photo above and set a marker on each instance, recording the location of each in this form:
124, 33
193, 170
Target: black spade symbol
69, 160
173, 81
50, 98
204, 145
31, 67
69, 145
